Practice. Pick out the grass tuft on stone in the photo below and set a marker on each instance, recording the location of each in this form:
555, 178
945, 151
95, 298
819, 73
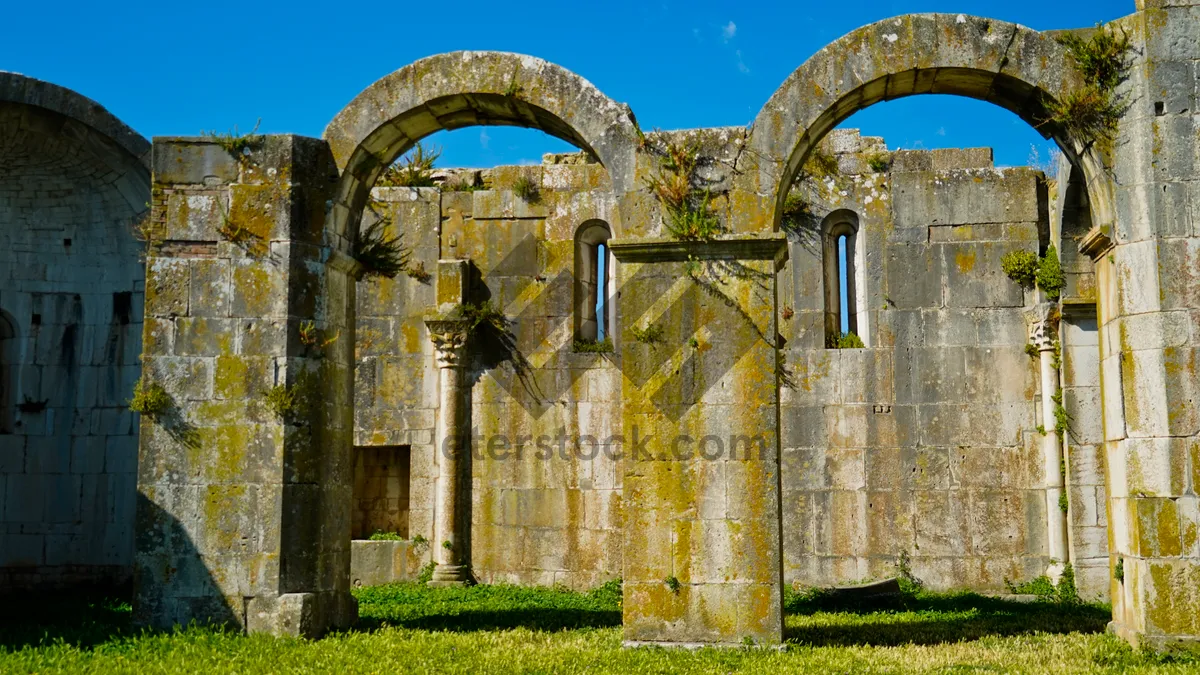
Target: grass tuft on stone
149, 398
414, 169
381, 254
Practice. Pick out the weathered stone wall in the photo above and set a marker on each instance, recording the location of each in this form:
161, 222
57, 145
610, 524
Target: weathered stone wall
540, 514
244, 508
71, 285
1148, 310
924, 443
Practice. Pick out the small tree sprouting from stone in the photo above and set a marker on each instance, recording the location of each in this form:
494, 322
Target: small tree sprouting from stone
414, 169
1093, 112
527, 190
689, 212
149, 398
380, 253
1025, 268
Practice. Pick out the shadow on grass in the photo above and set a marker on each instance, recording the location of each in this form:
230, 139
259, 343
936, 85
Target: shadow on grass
486, 607
84, 618
540, 619
929, 619
88, 619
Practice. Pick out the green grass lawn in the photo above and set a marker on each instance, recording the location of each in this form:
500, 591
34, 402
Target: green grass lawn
485, 629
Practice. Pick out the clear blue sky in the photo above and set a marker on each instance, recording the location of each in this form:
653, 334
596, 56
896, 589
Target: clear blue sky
169, 68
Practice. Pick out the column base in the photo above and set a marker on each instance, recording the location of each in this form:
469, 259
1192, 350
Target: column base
451, 575
1055, 571
307, 615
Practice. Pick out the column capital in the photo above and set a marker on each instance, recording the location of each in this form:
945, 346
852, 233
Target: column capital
1043, 323
449, 338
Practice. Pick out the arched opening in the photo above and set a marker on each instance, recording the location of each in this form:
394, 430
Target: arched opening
500, 240
595, 304
936, 292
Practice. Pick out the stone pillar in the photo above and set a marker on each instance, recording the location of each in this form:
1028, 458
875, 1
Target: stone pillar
703, 537
452, 511
1149, 316
1042, 333
244, 481
450, 345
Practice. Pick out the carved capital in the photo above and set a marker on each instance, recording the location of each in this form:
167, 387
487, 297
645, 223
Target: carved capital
449, 341
1043, 325
1096, 243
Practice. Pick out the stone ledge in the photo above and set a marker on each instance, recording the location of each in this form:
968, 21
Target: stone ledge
738, 247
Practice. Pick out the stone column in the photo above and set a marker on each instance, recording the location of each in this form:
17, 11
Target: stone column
1042, 332
700, 419
243, 514
450, 344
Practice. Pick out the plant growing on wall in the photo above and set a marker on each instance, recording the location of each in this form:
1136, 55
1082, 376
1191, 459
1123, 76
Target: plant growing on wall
1062, 419
797, 214
483, 315
527, 190
514, 89
381, 254
314, 340
689, 212
237, 144
1064, 592
146, 230
1093, 112
849, 340
820, 164
149, 398
879, 162
293, 404
1050, 277
1020, 266
604, 346
414, 169
380, 535
647, 335
1025, 268
417, 271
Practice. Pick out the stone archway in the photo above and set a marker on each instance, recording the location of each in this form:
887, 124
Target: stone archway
447, 92
1015, 67
462, 89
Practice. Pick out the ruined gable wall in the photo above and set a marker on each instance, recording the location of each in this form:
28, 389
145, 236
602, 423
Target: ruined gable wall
72, 290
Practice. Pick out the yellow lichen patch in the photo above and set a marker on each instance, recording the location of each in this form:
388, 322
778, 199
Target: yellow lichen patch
229, 380
1158, 527
965, 261
254, 289
1174, 598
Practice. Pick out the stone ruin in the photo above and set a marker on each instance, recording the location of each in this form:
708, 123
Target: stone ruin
563, 387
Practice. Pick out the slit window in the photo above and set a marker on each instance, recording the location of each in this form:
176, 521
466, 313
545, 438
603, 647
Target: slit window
594, 306
843, 283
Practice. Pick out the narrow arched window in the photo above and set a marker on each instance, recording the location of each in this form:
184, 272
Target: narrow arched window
843, 287
594, 306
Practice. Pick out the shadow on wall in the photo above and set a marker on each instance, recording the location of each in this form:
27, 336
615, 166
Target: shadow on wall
166, 558
87, 617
